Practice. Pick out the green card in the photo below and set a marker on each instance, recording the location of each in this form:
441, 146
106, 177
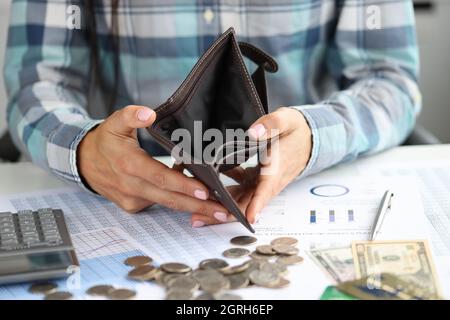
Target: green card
331, 293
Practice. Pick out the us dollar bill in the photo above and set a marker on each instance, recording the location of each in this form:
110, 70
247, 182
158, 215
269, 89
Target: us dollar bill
336, 262
410, 260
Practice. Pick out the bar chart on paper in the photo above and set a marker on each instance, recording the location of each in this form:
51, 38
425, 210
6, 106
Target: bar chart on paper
332, 216
325, 212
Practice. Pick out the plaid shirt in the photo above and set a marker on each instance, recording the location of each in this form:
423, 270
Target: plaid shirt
355, 83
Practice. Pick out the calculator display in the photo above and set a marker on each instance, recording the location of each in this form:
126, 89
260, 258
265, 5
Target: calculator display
35, 245
32, 262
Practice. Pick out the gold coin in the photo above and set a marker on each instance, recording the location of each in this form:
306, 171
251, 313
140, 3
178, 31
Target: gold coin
136, 261
243, 240
122, 294
258, 256
43, 288
100, 290
175, 267
285, 249
142, 273
59, 295
289, 241
236, 269
266, 250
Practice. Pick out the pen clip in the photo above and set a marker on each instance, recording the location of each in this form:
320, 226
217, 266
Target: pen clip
389, 206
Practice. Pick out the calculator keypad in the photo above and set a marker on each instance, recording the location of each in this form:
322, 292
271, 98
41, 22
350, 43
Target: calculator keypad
28, 229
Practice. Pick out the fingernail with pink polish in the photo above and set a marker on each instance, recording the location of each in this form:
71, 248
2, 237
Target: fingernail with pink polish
221, 216
198, 224
144, 114
257, 131
200, 194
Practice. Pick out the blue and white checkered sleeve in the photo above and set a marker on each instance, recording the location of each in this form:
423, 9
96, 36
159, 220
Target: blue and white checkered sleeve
378, 99
46, 72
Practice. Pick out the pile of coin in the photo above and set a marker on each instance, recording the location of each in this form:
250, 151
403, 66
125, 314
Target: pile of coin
213, 279
50, 291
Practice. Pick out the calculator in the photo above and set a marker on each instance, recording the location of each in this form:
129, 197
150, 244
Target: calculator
35, 245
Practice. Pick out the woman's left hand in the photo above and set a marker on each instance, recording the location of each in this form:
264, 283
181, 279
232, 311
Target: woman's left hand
288, 155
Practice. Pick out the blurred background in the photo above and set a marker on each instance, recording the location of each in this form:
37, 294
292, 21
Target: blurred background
432, 18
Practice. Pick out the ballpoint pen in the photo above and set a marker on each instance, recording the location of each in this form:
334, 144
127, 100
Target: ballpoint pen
385, 205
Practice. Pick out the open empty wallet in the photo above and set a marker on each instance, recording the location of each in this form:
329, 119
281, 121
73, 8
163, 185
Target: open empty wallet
218, 95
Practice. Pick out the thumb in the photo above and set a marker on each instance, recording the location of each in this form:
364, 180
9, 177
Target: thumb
128, 119
275, 123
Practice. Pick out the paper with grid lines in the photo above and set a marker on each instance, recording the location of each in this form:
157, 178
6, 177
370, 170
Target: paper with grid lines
165, 234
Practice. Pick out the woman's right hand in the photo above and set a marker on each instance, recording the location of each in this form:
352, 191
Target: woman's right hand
112, 163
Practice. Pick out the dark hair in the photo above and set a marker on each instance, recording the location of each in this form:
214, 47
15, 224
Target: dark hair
109, 94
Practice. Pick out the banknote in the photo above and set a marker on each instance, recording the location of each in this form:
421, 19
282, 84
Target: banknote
337, 262
410, 260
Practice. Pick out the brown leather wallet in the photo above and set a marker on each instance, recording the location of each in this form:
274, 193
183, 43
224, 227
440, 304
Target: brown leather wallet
219, 93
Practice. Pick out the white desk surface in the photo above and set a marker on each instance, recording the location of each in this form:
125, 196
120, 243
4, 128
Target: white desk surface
25, 176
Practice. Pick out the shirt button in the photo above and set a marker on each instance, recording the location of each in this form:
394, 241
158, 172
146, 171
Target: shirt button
208, 15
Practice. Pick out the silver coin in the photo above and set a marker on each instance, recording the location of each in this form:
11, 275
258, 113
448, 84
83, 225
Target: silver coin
235, 253
289, 260
243, 240
43, 288
59, 295
100, 290
183, 282
216, 264
263, 278
167, 277
143, 273
228, 296
238, 281
201, 274
277, 268
288, 241
179, 294
265, 249
136, 261
214, 284
283, 283
175, 267
205, 296
286, 250
235, 269
258, 256
121, 294
252, 265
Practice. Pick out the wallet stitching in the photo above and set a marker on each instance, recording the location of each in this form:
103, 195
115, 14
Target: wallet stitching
247, 76
261, 53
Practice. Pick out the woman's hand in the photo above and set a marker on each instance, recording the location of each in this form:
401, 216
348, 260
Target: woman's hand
288, 155
112, 163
